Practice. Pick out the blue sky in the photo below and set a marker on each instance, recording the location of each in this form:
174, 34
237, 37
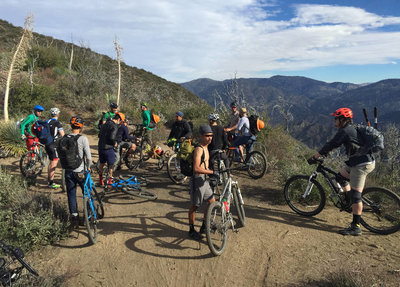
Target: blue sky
181, 40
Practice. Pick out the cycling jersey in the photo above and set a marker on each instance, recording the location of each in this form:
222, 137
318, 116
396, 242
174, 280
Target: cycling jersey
108, 115
26, 125
146, 118
55, 127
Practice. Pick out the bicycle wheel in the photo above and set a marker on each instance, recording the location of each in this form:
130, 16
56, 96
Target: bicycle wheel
30, 164
139, 192
303, 196
256, 164
258, 146
238, 201
146, 149
90, 220
134, 159
216, 228
97, 203
174, 170
381, 210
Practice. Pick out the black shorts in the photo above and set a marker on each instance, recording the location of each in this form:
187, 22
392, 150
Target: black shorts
51, 150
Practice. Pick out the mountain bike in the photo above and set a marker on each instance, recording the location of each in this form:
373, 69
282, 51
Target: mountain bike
251, 160
173, 166
132, 161
143, 143
9, 273
92, 206
32, 162
131, 185
306, 196
219, 216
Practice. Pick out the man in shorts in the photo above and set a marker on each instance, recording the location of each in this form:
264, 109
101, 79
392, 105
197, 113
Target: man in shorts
200, 189
124, 141
57, 131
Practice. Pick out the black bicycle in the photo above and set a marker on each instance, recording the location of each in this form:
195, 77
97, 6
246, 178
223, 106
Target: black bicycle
306, 196
8, 272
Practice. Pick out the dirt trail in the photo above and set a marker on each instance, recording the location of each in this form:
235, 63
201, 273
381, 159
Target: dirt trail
145, 243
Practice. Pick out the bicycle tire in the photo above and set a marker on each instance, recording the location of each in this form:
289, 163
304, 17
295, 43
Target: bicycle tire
258, 146
160, 163
30, 164
134, 159
139, 193
91, 223
381, 210
174, 171
219, 166
238, 202
146, 149
99, 205
294, 190
256, 164
216, 228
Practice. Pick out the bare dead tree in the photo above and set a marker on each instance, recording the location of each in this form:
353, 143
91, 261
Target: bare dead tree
392, 144
19, 56
283, 107
118, 49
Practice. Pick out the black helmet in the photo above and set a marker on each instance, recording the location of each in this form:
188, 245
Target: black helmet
234, 105
113, 105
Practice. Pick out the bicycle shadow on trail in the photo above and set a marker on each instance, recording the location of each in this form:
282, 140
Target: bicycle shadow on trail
289, 218
157, 238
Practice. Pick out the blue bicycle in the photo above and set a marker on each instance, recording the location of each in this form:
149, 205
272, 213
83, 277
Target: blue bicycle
92, 206
131, 185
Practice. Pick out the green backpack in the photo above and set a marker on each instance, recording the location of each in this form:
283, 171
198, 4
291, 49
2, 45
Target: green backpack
185, 156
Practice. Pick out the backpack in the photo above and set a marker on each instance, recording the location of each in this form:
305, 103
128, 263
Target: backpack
18, 124
185, 156
255, 124
371, 139
68, 152
41, 129
154, 118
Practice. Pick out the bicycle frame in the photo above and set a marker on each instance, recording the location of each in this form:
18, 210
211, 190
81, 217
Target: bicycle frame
88, 191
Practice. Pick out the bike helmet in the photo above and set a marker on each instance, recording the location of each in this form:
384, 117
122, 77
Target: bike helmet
144, 104
234, 105
113, 105
213, 117
343, 112
76, 122
38, 108
54, 111
121, 116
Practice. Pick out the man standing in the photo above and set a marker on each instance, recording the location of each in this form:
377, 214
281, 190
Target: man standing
107, 143
200, 189
233, 120
26, 126
56, 131
180, 129
109, 115
124, 141
74, 177
146, 116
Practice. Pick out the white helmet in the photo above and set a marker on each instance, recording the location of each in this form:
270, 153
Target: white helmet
54, 111
213, 117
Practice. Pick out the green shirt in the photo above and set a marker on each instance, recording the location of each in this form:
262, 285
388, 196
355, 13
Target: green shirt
146, 118
108, 115
27, 123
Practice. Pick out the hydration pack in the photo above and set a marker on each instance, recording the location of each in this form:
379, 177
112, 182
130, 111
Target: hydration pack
41, 129
68, 152
185, 156
255, 124
371, 139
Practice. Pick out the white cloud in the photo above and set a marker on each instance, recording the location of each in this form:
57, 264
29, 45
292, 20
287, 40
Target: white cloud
183, 40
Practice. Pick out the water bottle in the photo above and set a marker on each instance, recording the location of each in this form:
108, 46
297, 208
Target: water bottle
337, 185
226, 204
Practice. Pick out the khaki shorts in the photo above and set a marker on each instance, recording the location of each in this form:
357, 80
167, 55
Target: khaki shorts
202, 190
358, 174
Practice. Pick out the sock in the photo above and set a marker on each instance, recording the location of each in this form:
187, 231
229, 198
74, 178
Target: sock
191, 227
50, 182
356, 219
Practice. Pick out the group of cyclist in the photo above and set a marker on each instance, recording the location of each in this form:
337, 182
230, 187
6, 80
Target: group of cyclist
114, 135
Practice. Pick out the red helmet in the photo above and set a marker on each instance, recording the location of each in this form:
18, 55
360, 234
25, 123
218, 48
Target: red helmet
343, 112
158, 150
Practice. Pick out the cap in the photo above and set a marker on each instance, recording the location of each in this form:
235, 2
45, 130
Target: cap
205, 129
179, 114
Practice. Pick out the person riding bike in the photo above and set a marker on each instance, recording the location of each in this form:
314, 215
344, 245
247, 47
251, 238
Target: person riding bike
57, 131
356, 168
219, 140
109, 115
26, 126
180, 129
243, 131
124, 141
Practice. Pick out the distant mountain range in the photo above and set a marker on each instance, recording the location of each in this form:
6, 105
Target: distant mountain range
308, 101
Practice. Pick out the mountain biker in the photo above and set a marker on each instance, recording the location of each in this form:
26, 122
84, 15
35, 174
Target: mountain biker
200, 189
233, 120
110, 114
75, 177
243, 131
146, 116
219, 140
180, 129
57, 131
123, 139
26, 126
357, 167
107, 143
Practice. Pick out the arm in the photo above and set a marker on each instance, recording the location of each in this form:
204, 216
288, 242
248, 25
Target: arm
113, 134
86, 151
337, 141
198, 167
146, 119
187, 131
125, 134
26, 123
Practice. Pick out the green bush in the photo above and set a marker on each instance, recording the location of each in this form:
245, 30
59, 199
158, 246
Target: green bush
29, 219
45, 57
10, 139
